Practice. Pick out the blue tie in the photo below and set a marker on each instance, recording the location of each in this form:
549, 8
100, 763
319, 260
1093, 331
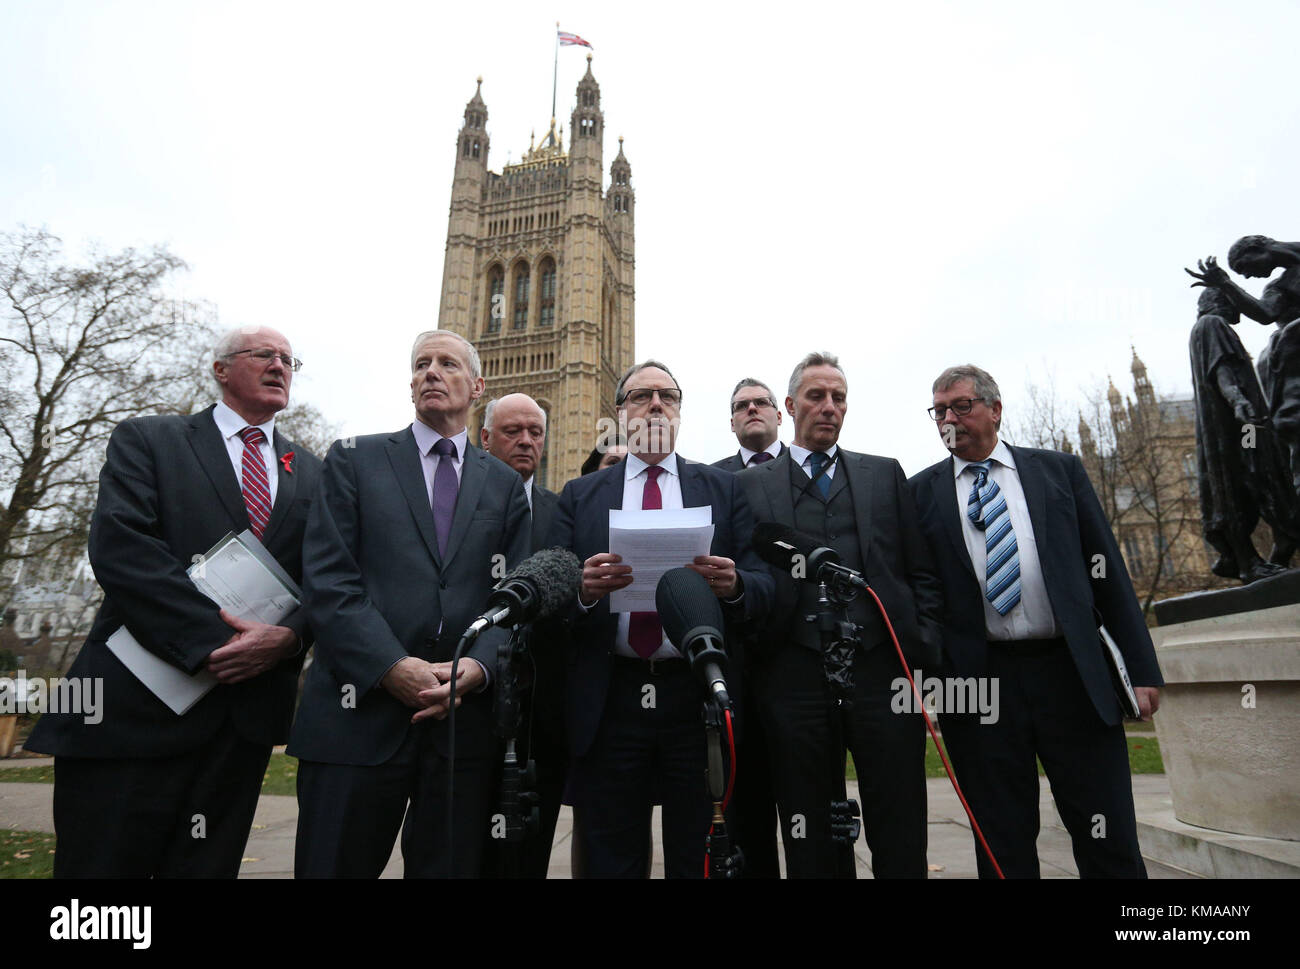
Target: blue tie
818, 461
987, 510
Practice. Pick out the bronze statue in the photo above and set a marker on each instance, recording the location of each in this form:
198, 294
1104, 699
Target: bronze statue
1242, 471
1279, 364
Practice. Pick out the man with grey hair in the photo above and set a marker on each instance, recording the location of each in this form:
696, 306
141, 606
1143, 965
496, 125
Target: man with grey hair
148, 792
514, 431
859, 505
409, 534
633, 711
1029, 566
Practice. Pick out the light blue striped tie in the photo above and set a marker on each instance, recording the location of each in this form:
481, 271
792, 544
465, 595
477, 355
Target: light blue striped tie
987, 510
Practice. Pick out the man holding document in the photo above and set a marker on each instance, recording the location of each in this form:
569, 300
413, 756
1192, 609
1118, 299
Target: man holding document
633, 715
150, 791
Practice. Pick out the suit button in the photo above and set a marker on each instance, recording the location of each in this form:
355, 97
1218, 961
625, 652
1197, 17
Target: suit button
442, 585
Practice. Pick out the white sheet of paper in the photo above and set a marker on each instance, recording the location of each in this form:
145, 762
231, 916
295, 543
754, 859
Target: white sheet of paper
652, 542
235, 577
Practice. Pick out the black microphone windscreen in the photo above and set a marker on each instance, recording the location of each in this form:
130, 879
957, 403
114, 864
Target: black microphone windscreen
556, 573
685, 601
777, 544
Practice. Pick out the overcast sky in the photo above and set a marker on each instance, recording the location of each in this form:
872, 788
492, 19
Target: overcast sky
908, 185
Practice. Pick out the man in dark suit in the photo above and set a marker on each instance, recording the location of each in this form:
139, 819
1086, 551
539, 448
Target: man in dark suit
410, 532
755, 420
859, 505
1028, 565
514, 431
634, 707
148, 792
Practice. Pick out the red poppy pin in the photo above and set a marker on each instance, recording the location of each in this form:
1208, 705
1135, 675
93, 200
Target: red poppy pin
287, 461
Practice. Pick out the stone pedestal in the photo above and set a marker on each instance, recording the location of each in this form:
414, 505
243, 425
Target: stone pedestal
1229, 719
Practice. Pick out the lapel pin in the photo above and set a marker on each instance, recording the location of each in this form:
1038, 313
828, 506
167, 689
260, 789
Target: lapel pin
287, 461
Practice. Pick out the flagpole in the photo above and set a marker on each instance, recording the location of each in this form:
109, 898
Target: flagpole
555, 72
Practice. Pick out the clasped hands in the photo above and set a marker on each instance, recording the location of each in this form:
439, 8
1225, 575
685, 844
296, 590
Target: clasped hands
603, 573
426, 687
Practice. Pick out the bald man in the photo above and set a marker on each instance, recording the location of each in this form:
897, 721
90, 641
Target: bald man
147, 792
514, 431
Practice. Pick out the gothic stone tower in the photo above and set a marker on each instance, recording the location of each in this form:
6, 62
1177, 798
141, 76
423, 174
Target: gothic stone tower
539, 275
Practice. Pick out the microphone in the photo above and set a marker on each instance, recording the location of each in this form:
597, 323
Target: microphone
798, 554
692, 619
538, 587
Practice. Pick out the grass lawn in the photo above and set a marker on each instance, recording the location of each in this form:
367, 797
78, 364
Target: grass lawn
26, 854
281, 775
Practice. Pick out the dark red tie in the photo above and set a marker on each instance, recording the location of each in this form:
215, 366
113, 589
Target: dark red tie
255, 485
644, 633
759, 458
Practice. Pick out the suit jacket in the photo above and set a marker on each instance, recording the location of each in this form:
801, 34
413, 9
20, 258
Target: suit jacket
1069, 530
582, 524
895, 555
734, 464
545, 504
168, 492
377, 591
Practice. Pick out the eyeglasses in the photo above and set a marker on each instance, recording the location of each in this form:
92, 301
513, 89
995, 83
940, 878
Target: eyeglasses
668, 396
740, 406
264, 357
961, 407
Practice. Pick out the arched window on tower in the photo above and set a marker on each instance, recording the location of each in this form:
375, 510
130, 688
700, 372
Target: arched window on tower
496, 304
546, 295
519, 315
475, 151
464, 149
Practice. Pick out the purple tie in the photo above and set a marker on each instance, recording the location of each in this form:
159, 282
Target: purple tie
445, 487
645, 634
759, 458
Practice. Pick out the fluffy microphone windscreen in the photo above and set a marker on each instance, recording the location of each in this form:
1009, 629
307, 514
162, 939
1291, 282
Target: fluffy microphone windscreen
556, 573
685, 602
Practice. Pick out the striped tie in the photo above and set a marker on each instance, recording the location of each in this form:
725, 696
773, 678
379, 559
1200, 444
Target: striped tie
987, 510
255, 485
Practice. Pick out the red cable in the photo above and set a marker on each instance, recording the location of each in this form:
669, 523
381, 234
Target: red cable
935, 737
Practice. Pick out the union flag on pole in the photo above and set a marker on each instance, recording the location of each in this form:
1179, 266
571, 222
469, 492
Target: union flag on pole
571, 40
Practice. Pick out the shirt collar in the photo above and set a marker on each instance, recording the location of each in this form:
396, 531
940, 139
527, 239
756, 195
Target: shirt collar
1001, 454
800, 453
426, 437
746, 455
634, 465
230, 424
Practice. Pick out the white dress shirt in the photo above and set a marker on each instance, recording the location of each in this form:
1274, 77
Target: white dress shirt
747, 456
230, 424
528, 491
670, 490
1032, 617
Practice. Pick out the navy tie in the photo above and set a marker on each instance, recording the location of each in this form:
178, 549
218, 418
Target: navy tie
987, 510
760, 458
445, 487
818, 460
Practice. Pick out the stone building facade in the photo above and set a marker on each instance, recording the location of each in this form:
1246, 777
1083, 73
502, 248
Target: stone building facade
539, 274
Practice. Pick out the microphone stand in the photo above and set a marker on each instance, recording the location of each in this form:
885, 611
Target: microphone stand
518, 813
726, 860
840, 639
